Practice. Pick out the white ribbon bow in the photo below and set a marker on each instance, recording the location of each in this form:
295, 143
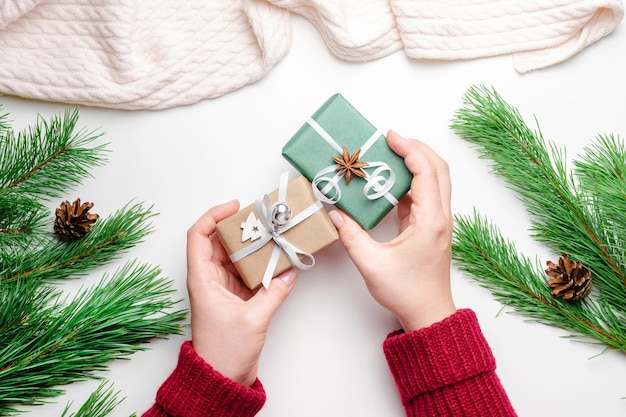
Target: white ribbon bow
263, 208
376, 186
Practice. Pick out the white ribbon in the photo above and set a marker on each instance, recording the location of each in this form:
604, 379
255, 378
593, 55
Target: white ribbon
376, 186
263, 208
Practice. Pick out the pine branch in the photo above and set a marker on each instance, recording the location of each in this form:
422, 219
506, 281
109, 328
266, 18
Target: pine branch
66, 343
603, 170
560, 214
40, 163
579, 212
494, 264
59, 259
4, 123
19, 300
45, 341
20, 220
49, 157
99, 404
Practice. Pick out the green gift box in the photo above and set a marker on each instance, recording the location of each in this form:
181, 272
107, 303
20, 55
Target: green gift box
349, 162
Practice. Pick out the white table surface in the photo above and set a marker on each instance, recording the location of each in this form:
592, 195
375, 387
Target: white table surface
323, 355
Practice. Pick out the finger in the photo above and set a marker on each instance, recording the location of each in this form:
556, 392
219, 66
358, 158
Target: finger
358, 244
431, 186
205, 225
266, 302
218, 253
404, 211
199, 246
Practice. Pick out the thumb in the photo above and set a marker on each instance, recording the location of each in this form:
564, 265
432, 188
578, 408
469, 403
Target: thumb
354, 239
267, 301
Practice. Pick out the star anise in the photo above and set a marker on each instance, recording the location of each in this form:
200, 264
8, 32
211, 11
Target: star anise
350, 165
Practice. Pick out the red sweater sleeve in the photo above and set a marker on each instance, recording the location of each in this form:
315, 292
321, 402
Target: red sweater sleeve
196, 389
447, 369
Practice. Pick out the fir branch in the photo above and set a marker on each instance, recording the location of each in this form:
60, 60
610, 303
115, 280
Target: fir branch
99, 404
494, 264
67, 343
48, 158
561, 215
60, 259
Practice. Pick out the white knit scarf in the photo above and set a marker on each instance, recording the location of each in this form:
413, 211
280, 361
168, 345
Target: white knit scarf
156, 54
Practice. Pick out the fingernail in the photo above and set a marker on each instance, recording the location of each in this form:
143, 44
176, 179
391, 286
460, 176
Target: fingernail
394, 132
289, 276
336, 218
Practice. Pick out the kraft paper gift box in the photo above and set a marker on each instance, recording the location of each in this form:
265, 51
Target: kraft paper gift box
335, 125
312, 232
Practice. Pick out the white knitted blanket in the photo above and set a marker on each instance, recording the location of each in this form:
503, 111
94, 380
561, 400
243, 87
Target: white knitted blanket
155, 54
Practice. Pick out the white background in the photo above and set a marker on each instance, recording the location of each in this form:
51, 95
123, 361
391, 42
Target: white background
323, 355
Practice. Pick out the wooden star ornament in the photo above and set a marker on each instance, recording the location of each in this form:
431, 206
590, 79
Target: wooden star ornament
349, 165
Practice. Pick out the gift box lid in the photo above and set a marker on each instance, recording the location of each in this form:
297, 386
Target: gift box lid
337, 124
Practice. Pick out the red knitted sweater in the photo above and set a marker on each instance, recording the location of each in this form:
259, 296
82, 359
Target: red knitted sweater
446, 369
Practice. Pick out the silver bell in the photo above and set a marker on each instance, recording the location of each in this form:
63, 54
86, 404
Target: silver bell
281, 213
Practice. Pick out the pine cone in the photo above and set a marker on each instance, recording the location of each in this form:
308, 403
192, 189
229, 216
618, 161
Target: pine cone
73, 220
570, 279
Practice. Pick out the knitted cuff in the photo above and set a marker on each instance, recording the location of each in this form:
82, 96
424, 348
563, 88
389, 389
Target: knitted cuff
448, 352
194, 388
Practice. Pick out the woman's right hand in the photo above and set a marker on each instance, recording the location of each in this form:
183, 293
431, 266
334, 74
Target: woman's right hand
410, 275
